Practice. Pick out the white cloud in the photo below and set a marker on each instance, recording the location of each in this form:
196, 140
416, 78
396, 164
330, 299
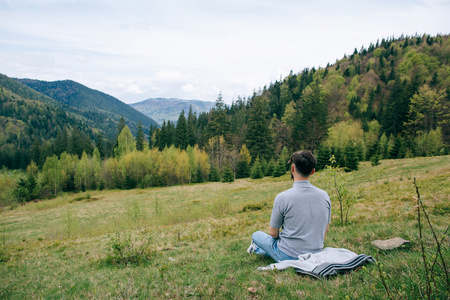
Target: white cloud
188, 88
195, 49
135, 89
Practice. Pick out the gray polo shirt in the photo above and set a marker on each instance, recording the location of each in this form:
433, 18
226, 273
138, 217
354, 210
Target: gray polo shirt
303, 212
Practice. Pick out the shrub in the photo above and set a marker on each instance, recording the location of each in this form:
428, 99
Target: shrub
124, 249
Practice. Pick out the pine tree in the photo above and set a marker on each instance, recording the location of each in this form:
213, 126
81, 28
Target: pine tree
140, 138
218, 123
270, 168
170, 133
99, 146
323, 158
256, 171
214, 175
396, 111
351, 157
397, 150
228, 175
280, 168
311, 125
259, 139
198, 176
36, 155
243, 169
191, 135
61, 142
181, 139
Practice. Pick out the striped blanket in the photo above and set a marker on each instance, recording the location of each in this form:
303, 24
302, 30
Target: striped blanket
329, 261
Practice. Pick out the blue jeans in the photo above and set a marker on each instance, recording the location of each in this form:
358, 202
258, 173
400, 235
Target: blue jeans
268, 246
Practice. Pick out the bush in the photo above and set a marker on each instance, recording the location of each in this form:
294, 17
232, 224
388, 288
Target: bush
125, 249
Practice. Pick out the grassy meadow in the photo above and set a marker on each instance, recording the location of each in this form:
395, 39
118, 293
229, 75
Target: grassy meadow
191, 240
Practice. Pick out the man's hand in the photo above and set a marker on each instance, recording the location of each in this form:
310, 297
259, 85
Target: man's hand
274, 232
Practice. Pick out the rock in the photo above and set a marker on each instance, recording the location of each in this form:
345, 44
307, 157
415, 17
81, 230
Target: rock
389, 244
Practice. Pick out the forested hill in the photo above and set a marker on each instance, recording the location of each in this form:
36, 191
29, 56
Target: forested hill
395, 92
389, 100
29, 121
95, 108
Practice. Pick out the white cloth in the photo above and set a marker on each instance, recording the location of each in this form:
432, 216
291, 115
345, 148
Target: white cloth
309, 261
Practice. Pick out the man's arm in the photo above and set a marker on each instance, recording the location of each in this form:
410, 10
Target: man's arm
326, 230
274, 232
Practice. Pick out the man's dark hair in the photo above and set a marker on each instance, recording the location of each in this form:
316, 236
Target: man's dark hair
304, 162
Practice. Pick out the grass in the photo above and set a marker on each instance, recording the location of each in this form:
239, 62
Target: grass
199, 233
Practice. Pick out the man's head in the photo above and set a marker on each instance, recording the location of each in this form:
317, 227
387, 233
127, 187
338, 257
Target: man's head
304, 161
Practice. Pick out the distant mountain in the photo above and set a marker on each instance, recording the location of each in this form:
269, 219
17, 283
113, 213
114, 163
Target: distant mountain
160, 109
96, 109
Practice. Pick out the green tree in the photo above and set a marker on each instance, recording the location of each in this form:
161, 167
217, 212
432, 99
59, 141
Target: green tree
84, 173
398, 150
428, 110
311, 125
351, 157
218, 123
125, 143
323, 158
395, 112
52, 174
228, 175
190, 130
97, 169
181, 139
214, 174
61, 142
120, 127
270, 167
256, 171
140, 138
259, 138
100, 146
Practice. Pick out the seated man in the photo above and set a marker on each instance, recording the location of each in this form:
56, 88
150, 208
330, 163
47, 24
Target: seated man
303, 212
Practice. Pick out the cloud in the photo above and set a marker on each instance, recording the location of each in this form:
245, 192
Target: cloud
188, 88
134, 89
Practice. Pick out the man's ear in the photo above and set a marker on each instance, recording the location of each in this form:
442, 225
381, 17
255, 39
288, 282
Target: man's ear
293, 168
312, 172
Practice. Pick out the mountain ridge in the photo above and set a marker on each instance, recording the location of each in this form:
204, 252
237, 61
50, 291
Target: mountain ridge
158, 110
94, 107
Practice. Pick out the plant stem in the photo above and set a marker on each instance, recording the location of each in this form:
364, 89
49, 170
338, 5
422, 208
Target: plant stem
424, 258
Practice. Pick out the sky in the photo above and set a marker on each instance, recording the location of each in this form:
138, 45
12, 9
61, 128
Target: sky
196, 49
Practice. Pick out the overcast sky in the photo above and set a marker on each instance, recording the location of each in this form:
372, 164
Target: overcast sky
194, 49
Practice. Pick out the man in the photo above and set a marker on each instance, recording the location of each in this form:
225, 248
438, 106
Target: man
303, 212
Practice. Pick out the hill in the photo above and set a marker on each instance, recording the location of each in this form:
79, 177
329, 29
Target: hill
160, 109
190, 241
96, 109
30, 122
390, 100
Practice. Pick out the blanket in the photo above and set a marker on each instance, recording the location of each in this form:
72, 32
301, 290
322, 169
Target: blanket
329, 261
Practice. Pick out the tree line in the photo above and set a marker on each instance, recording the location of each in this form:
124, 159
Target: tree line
388, 101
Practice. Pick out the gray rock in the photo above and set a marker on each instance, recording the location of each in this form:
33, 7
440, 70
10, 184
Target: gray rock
389, 244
